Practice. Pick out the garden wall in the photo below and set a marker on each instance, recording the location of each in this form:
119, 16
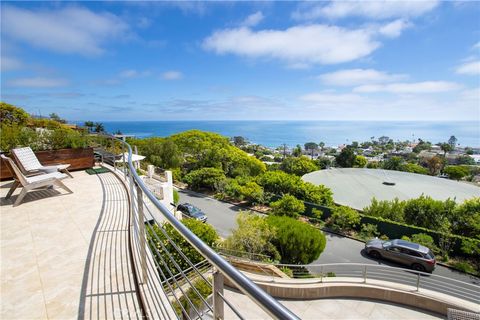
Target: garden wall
81, 158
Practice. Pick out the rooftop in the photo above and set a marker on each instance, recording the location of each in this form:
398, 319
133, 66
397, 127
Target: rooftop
356, 187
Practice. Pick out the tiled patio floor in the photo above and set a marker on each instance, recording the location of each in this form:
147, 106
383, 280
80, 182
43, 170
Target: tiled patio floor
64, 256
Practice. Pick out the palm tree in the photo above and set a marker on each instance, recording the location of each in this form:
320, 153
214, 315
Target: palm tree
89, 125
99, 127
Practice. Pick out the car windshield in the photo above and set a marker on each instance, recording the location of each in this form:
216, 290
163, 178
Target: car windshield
386, 244
193, 209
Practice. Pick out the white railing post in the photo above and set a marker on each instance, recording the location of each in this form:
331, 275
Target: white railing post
418, 281
321, 274
141, 235
364, 274
218, 305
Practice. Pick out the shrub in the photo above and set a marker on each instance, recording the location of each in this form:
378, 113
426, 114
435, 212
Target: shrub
392, 210
288, 206
9, 114
360, 162
425, 240
464, 266
368, 231
427, 212
205, 178
203, 288
343, 218
297, 242
298, 166
176, 197
287, 271
456, 172
414, 168
157, 241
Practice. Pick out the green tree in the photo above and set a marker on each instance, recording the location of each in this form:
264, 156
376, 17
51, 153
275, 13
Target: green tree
298, 165
253, 236
465, 159
288, 206
297, 151
239, 141
56, 117
205, 178
414, 168
392, 210
456, 172
10, 114
312, 146
344, 218
445, 147
346, 158
427, 212
160, 244
99, 128
452, 142
89, 125
467, 218
280, 183
297, 242
360, 162
394, 163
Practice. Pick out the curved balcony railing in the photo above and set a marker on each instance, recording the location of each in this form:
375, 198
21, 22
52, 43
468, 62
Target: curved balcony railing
171, 284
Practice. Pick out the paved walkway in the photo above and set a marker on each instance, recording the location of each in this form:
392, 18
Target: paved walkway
64, 256
327, 309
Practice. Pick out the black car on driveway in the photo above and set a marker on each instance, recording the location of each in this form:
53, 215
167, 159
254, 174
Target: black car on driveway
408, 253
191, 211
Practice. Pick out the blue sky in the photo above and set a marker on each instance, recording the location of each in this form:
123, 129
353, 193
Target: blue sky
411, 60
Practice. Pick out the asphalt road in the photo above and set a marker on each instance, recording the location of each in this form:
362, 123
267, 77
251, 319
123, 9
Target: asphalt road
338, 249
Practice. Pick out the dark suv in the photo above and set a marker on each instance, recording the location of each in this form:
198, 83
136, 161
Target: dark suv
192, 212
411, 254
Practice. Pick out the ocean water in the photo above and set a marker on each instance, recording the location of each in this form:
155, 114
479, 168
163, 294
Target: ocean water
332, 133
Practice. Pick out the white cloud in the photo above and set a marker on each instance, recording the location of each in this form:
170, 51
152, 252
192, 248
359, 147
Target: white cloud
10, 64
329, 99
298, 45
253, 19
355, 77
368, 9
394, 28
172, 75
132, 73
469, 68
67, 30
410, 88
38, 82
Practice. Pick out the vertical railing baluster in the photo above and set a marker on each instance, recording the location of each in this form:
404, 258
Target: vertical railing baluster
365, 274
141, 235
418, 281
218, 304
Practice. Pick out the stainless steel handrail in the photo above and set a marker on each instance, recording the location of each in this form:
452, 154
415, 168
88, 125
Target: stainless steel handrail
245, 285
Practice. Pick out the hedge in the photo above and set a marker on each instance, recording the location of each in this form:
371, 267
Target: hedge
392, 229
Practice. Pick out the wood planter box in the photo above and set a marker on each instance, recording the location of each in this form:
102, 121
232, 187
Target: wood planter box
81, 158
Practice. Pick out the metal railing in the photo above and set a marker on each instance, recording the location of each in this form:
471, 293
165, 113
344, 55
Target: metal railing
173, 285
369, 273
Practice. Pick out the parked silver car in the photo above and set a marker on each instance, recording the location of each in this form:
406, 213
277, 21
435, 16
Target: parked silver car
191, 211
411, 254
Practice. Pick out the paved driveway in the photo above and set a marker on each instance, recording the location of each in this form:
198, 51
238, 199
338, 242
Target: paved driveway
338, 249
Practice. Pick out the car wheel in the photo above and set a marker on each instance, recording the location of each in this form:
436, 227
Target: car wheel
418, 267
374, 254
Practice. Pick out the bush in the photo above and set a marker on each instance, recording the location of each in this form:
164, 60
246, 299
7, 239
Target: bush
9, 114
456, 172
360, 162
343, 218
425, 240
176, 197
427, 212
414, 168
157, 241
298, 166
280, 183
297, 242
464, 266
392, 210
368, 231
288, 206
287, 271
205, 178
252, 237
203, 288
